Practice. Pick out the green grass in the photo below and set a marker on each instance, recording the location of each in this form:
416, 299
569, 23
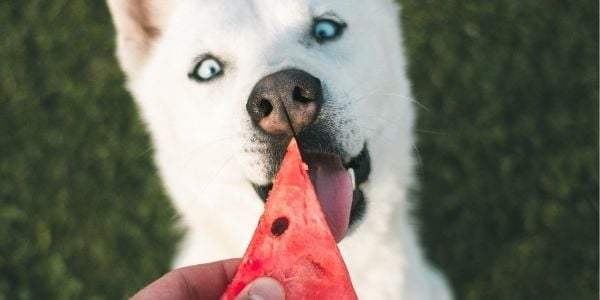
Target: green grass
508, 143
83, 214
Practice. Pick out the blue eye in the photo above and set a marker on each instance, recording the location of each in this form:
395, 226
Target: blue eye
327, 29
207, 69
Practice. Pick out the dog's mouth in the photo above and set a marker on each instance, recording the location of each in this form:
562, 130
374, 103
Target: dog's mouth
338, 186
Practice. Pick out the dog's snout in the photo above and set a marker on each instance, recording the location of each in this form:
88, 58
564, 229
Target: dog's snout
293, 91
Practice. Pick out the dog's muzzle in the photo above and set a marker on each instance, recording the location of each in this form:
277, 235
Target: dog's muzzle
287, 103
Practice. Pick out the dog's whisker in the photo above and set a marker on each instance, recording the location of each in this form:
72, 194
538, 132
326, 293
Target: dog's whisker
200, 149
378, 90
421, 105
366, 96
216, 174
418, 154
147, 151
432, 132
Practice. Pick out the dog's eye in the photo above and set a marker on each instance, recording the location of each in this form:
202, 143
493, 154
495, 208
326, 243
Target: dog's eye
207, 69
327, 29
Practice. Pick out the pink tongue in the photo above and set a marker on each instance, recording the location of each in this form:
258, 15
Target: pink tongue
334, 189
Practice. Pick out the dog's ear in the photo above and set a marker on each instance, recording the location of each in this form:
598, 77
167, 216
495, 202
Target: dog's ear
138, 25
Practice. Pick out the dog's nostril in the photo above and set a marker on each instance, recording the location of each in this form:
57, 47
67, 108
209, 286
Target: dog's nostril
265, 107
299, 96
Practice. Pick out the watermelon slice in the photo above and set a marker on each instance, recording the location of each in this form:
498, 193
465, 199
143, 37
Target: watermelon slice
293, 243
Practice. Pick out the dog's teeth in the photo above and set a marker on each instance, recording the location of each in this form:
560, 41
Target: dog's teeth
351, 172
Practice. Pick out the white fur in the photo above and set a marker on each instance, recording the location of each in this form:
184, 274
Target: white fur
201, 130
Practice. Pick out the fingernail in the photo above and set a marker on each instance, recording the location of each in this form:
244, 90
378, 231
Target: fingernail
264, 288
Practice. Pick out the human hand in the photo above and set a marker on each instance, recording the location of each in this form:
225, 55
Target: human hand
207, 282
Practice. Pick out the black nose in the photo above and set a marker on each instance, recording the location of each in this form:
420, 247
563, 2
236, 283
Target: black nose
294, 91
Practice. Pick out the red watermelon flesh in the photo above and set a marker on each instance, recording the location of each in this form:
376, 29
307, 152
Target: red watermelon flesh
293, 242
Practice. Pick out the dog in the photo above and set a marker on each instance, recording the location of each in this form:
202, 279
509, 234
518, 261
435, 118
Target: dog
222, 86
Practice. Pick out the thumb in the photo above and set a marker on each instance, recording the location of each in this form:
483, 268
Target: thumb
264, 288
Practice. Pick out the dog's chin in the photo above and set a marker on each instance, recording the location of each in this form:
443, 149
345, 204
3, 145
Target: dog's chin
338, 186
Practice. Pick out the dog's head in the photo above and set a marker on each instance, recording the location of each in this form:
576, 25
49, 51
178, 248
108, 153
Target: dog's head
250, 74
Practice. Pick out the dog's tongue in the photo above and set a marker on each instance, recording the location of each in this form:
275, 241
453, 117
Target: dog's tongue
333, 185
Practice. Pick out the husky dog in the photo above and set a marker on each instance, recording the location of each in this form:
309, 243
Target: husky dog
220, 85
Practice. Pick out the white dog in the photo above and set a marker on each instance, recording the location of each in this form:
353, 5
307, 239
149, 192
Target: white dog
216, 81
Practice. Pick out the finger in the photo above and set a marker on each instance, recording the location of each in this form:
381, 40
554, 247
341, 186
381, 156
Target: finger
264, 288
204, 282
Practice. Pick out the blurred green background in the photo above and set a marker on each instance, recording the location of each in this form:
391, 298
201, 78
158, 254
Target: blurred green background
508, 144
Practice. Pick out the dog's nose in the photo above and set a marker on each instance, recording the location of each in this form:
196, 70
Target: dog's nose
292, 90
